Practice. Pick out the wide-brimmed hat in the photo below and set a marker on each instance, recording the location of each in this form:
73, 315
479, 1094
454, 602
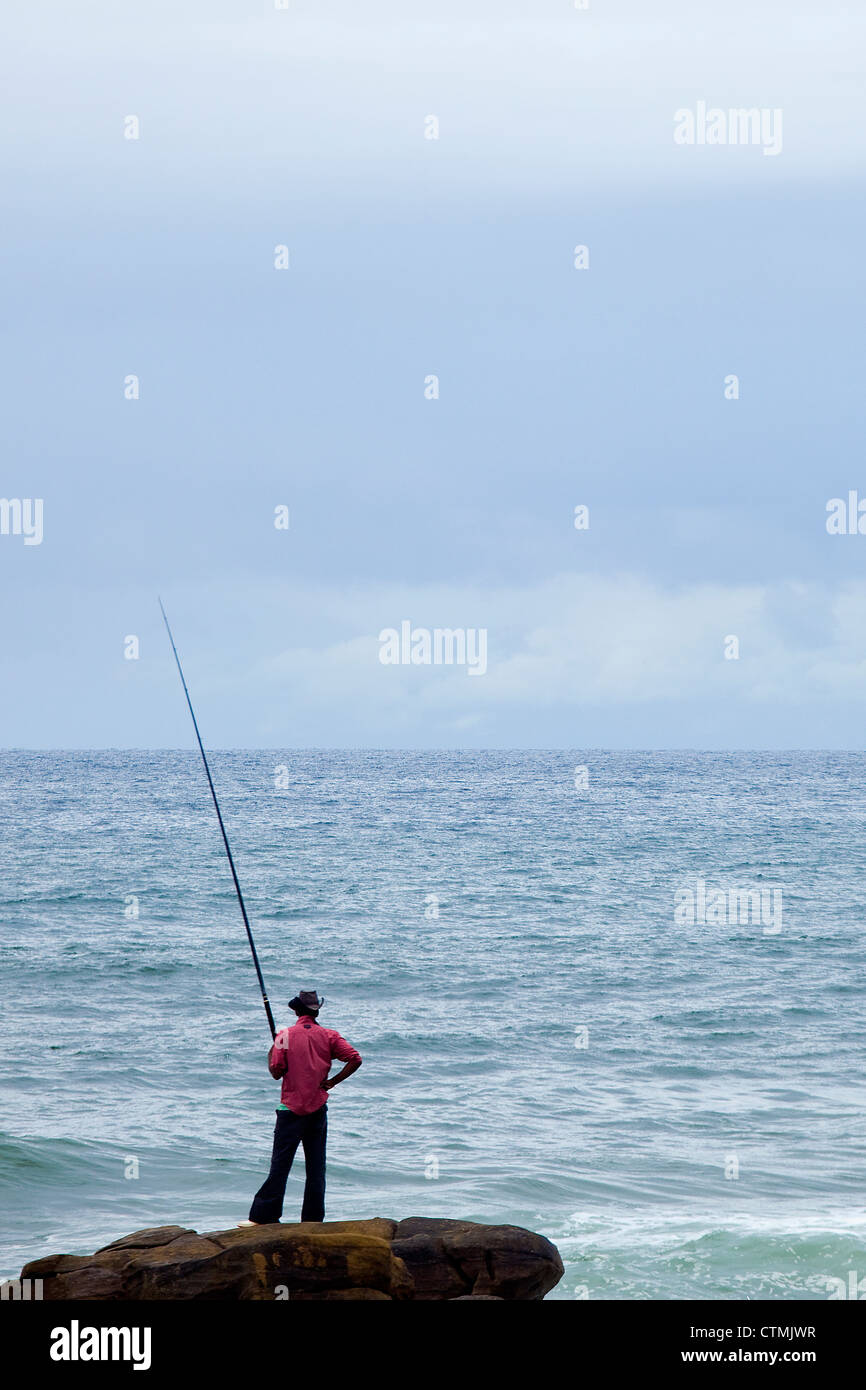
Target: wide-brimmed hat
308, 999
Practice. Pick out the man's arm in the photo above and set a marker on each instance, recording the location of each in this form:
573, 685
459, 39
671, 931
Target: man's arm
345, 1052
278, 1060
341, 1075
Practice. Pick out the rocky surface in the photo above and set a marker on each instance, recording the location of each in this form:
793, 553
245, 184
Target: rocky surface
378, 1260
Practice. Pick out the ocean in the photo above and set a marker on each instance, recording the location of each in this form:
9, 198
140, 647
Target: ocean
552, 1036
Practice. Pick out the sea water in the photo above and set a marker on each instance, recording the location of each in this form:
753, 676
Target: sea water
550, 1038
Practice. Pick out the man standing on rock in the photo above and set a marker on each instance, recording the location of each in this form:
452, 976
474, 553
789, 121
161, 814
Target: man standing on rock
302, 1056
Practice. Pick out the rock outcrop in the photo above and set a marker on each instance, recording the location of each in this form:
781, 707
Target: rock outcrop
421, 1258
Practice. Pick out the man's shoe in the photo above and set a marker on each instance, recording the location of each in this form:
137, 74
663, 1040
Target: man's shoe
250, 1223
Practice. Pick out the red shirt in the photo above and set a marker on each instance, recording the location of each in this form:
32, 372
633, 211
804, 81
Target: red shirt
302, 1056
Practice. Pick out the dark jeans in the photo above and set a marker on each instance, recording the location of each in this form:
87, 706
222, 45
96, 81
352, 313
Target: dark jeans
290, 1131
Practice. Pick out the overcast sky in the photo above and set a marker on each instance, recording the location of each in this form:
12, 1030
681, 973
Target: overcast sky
409, 257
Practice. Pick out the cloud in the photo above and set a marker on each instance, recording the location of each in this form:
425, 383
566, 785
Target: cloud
587, 640
585, 659
530, 97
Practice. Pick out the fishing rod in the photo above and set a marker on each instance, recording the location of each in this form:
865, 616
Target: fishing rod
270, 1015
